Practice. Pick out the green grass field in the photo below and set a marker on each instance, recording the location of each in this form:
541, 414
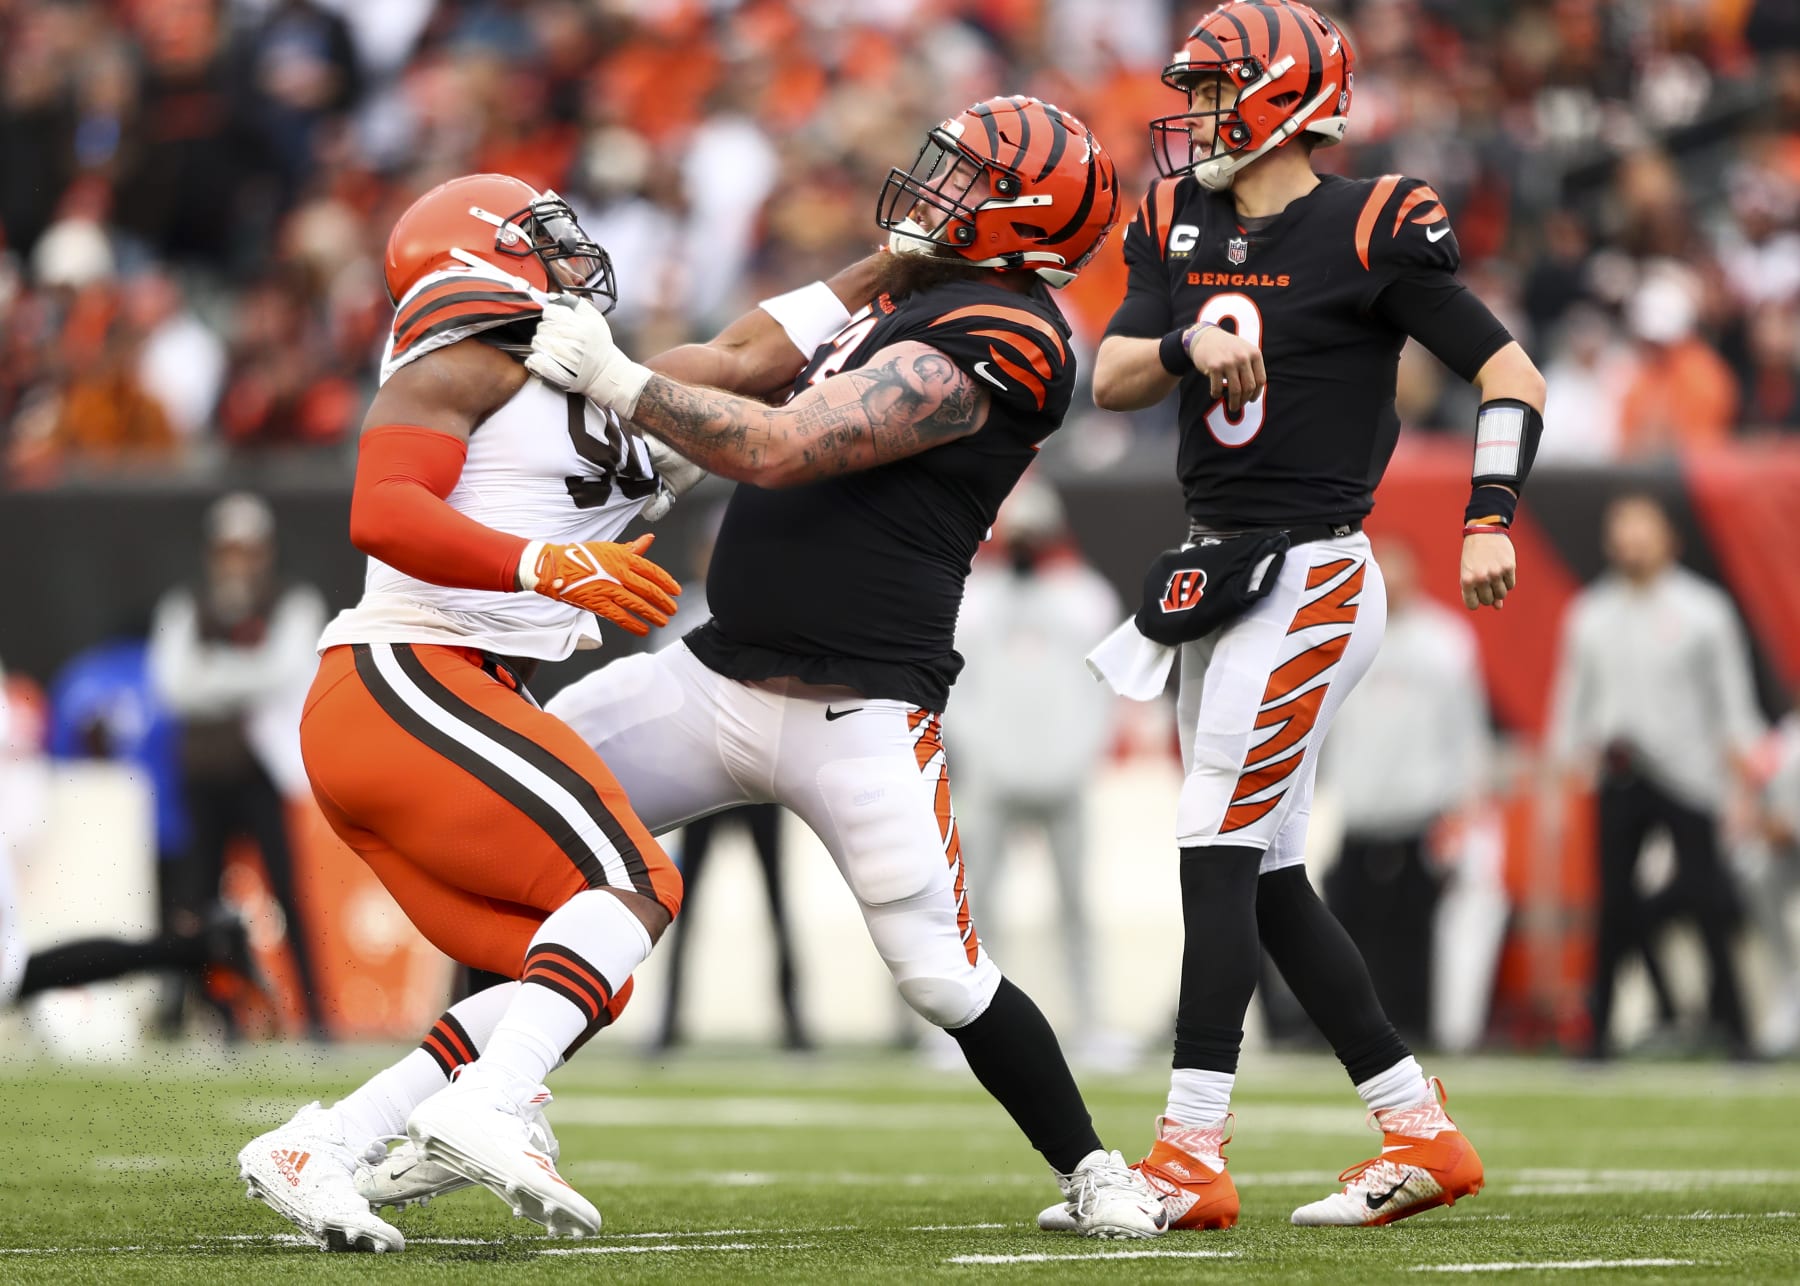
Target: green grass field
868, 1168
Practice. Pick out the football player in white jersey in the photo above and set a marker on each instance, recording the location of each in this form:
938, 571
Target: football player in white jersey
490, 503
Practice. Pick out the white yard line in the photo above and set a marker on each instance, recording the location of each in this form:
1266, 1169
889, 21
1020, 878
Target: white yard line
674, 1250
1092, 1256
1723, 1214
1560, 1265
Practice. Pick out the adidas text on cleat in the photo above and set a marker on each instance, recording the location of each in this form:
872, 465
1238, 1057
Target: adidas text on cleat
480, 1128
1186, 1167
1425, 1162
1106, 1198
403, 1177
305, 1173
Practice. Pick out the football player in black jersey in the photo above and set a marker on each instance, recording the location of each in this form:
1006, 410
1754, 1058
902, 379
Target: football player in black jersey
1276, 301
821, 680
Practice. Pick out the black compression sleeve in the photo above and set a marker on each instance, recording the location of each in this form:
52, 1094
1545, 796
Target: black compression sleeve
1447, 317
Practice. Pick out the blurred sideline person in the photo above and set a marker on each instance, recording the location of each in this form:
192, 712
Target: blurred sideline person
219, 946
1033, 728
1768, 864
1408, 751
821, 681
762, 826
1248, 271
505, 838
230, 658
1654, 691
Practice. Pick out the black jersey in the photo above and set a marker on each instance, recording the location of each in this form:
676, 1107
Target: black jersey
1310, 286
856, 580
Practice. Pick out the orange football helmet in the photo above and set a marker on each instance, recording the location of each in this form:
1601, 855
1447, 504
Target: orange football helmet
500, 222
1293, 72
1050, 196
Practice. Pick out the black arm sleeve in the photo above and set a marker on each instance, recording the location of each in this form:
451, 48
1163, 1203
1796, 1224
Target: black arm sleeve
1446, 317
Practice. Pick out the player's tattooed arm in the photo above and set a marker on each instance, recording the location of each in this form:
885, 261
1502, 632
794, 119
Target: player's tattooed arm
907, 399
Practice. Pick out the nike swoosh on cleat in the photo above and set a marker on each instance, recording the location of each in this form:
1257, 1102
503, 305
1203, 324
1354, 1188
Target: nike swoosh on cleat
980, 368
1437, 234
831, 714
1376, 1203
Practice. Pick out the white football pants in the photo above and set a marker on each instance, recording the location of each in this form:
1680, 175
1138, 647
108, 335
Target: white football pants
868, 776
1258, 697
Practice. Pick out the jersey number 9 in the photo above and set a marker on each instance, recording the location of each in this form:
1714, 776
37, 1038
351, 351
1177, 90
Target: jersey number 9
1246, 321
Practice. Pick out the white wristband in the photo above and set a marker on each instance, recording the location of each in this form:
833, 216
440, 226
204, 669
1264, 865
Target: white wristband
528, 565
810, 315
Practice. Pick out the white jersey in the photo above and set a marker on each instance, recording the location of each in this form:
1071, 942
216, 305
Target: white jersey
546, 465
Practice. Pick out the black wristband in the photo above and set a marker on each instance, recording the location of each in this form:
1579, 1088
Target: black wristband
1172, 352
1491, 502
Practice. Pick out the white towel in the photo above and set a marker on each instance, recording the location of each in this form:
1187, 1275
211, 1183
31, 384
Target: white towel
1132, 665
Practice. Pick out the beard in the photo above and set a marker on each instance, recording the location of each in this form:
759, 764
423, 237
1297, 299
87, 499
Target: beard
901, 275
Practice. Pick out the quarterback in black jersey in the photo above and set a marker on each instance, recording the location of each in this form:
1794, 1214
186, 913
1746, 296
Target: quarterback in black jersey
1276, 301
821, 680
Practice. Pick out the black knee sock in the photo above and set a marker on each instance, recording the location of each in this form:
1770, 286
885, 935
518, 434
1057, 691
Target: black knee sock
1219, 959
1327, 973
98, 959
1014, 1055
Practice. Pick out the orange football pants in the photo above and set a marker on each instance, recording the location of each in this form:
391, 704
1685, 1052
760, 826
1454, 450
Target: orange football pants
480, 813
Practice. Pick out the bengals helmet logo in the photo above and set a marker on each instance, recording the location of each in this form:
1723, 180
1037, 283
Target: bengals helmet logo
1185, 590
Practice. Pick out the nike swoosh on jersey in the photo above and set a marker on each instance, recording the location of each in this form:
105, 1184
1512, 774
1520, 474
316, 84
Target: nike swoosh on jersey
1437, 234
831, 714
981, 369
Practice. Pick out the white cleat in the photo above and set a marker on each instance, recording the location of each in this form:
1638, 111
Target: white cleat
1106, 1198
403, 1177
305, 1172
481, 1129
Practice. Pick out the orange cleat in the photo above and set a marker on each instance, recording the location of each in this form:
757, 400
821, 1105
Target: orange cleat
1425, 1162
1187, 1166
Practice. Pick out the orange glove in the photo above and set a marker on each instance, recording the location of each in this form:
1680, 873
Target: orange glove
614, 582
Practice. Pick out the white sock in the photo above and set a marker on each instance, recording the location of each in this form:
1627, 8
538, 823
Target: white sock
1402, 1085
378, 1108
1198, 1098
579, 959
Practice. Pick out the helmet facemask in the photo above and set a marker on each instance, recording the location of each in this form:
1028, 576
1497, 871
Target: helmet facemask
927, 209
549, 230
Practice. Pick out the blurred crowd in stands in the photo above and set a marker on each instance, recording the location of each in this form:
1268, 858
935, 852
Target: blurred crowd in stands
197, 191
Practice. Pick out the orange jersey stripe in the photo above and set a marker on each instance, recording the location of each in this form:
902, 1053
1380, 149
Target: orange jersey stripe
1032, 383
1018, 316
1371, 211
1421, 195
1165, 207
1029, 351
427, 300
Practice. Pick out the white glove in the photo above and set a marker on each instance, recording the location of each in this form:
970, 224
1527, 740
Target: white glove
573, 350
676, 475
